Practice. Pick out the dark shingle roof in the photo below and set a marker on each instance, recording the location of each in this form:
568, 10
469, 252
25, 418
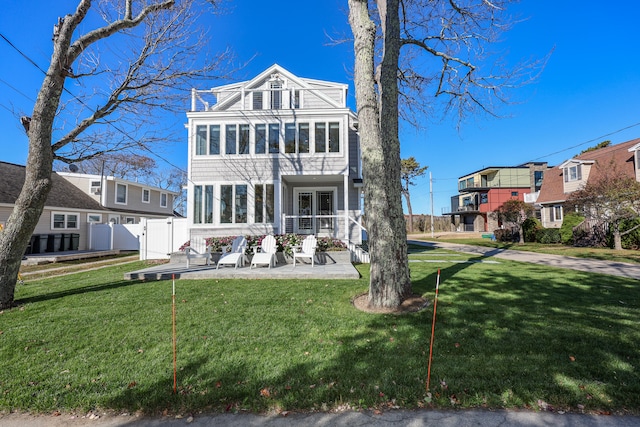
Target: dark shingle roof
63, 194
553, 185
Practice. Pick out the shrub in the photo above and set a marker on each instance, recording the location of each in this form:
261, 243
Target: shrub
284, 243
548, 236
571, 219
506, 235
630, 240
530, 227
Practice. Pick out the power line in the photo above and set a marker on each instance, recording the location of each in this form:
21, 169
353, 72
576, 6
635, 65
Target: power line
587, 142
80, 101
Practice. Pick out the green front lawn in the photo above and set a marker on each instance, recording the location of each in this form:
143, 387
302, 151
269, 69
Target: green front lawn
507, 335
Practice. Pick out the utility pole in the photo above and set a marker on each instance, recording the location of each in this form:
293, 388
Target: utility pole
431, 195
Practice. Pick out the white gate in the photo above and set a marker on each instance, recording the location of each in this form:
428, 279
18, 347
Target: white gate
161, 237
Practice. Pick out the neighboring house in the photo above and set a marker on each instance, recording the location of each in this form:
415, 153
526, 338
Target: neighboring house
274, 154
68, 209
128, 200
480, 193
574, 174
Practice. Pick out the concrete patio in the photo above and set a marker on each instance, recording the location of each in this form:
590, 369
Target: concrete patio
333, 265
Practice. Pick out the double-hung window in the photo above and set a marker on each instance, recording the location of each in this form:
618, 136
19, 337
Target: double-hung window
556, 213
276, 94
121, 194
64, 221
163, 200
573, 173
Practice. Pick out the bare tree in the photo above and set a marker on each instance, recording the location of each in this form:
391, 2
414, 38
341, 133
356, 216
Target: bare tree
129, 166
124, 70
410, 170
611, 199
443, 46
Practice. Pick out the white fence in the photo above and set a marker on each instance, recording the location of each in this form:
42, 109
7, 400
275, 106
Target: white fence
105, 237
154, 238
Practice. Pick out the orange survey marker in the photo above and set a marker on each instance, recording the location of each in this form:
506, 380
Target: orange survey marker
433, 329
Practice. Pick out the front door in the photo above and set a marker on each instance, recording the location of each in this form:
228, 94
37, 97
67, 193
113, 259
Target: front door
315, 210
325, 209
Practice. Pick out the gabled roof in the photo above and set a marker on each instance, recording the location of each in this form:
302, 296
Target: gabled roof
63, 194
552, 190
301, 83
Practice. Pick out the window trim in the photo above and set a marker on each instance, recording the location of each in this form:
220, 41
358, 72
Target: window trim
66, 216
148, 192
166, 199
126, 194
99, 221
578, 173
552, 214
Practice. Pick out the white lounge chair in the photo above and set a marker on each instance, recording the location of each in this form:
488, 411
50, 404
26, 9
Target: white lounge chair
234, 254
197, 249
307, 250
267, 254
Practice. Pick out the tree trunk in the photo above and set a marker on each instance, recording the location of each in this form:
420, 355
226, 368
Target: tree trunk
617, 237
521, 232
389, 282
30, 204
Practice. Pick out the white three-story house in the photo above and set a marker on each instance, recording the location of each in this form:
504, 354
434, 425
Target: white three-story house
275, 154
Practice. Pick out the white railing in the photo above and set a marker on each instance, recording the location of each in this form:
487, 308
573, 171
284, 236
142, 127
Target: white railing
327, 226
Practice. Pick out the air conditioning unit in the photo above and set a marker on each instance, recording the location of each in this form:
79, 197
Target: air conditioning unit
95, 190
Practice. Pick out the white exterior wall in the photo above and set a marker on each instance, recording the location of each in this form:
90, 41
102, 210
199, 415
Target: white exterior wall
320, 102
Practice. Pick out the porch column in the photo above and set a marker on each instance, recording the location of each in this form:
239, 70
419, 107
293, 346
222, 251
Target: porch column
346, 206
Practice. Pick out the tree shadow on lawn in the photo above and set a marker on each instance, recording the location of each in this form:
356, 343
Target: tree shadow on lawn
523, 336
77, 291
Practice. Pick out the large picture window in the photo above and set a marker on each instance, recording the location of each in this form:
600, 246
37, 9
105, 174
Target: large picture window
203, 204
214, 139
274, 138
261, 139
327, 137
201, 140
230, 139
243, 140
233, 204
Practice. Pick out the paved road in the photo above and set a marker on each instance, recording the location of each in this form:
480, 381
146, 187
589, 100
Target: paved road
622, 269
402, 418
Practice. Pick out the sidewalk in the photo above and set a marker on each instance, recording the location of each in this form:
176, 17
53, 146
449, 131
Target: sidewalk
621, 269
476, 418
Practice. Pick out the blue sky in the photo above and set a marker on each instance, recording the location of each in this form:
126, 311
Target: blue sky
588, 92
